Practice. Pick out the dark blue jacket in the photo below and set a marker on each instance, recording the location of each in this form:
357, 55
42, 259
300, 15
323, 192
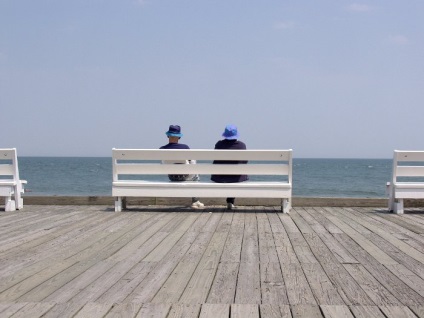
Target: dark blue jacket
233, 145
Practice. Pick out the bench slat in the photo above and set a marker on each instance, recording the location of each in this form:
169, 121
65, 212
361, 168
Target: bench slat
200, 154
8, 154
410, 171
211, 190
151, 169
6, 170
409, 155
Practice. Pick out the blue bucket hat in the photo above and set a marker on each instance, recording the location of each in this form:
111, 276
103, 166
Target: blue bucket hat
174, 131
230, 132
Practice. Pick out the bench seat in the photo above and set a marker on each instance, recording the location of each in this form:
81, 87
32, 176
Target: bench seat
215, 190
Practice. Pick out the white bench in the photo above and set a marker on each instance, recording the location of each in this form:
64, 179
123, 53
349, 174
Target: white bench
11, 187
145, 162
406, 164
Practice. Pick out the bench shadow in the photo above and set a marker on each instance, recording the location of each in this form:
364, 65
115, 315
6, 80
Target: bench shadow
406, 211
176, 209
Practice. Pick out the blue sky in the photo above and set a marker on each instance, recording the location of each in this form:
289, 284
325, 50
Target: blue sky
326, 78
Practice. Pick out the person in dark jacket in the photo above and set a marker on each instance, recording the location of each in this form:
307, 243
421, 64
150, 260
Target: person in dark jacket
230, 141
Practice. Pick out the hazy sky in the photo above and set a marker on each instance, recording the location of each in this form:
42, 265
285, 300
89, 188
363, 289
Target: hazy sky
328, 78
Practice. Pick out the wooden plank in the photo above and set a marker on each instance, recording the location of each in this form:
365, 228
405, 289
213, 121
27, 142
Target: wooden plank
267, 251
166, 245
250, 245
366, 312
232, 248
325, 291
411, 241
412, 280
198, 287
306, 311
272, 284
74, 248
129, 310
148, 288
336, 311
96, 280
371, 248
94, 310
248, 284
184, 311
31, 281
340, 253
63, 310
283, 246
52, 279
151, 310
273, 290
11, 309
215, 311
337, 274
274, 311
298, 289
123, 287
322, 220
386, 278
45, 235
418, 310
397, 311
244, 311
175, 285
33, 310
223, 288
378, 293
389, 238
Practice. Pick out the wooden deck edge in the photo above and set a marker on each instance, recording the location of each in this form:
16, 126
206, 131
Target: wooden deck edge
297, 201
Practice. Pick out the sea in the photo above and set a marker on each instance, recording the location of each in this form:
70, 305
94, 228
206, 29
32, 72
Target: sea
92, 176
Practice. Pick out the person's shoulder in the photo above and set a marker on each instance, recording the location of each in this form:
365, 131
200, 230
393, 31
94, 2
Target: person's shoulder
220, 144
183, 146
240, 144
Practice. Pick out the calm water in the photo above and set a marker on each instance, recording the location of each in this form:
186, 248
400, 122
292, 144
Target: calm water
311, 177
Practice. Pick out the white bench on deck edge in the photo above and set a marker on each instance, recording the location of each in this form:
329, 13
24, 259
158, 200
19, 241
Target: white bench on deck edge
397, 190
261, 162
11, 187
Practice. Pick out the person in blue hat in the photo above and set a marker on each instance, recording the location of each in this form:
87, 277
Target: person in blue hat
174, 134
230, 141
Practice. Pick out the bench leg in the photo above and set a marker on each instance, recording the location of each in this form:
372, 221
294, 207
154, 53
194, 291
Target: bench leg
19, 201
285, 205
391, 201
118, 204
398, 206
9, 204
124, 203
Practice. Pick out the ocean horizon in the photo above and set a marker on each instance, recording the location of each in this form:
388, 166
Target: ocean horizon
312, 177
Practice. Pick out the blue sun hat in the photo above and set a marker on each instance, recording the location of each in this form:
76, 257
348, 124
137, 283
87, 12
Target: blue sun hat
230, 132
174, 131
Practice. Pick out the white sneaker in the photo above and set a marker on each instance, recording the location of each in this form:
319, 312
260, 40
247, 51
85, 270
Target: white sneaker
197, 205
230, 206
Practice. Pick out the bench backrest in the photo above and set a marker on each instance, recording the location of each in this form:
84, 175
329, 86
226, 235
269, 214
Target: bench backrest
407, 164
260, 162
9, 164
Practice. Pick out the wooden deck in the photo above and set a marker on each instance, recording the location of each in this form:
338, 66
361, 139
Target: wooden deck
87, 261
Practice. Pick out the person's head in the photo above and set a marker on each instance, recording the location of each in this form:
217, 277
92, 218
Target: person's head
174, 133
230, 132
